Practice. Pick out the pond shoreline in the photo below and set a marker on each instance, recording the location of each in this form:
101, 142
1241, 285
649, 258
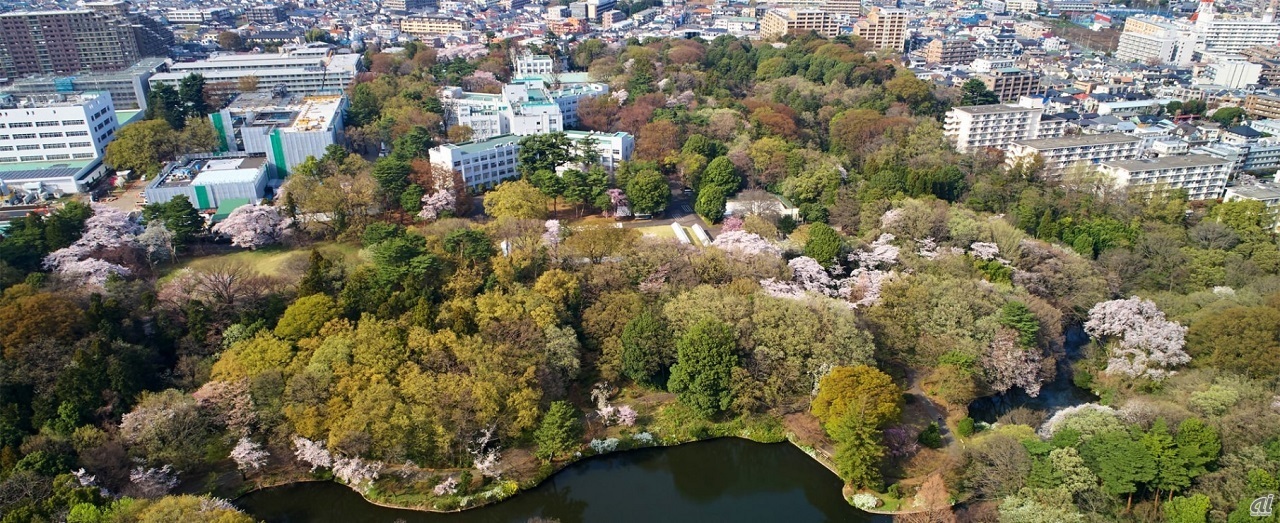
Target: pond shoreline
558, 469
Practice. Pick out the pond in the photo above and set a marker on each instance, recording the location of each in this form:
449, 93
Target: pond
720, 480
1059, 393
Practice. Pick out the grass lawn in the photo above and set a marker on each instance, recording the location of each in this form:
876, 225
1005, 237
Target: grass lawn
274, 260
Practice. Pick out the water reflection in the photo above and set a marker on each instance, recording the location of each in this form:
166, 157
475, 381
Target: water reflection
721, 480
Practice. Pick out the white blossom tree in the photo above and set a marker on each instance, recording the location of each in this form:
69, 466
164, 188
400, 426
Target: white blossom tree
153, 482
984, 250
249, 455
356, 472
486, 455
1142, 342
882, 254
312, 453
254, 226
447, 487
157, 243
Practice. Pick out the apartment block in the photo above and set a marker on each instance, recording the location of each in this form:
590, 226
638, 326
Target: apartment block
950, 51
780, 22
884, 28
1203, 177
1262, 106
51, 42
1148, 39
198, 16
1012, 83
408, 5
1267, 193
312, 69
1068, 152
287, 129
425, 26
265, 14
998, 125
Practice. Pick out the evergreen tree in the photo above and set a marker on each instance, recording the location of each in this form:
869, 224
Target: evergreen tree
559, 431
1121, 462
702, 375
163, 103
319, 276
1015, 315
191, 95
646, 348
976, 93
1171, 470
858, 449
824, 244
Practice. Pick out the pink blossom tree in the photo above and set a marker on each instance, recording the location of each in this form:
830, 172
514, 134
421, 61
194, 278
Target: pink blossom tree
110, 236
1007, 365
254, 226
900, 441
984, 250
627, 416
882, 253
1142, 342
229, 402
730, 224
745, 244
435, 204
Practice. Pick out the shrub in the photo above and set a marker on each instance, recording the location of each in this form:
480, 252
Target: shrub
965, 427
865, 501
931, 436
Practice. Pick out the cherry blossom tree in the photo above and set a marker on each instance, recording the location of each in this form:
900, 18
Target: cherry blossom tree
153, 482
110, 236
1007, 365
1142, 342
882, 253
230, 403
254, 226
357, 472
486, 455
984, 250
157, 243
553, 237
448, 487
730, 224
437, 203
312, 452
1055, 422
249, 455
746, 244
626, 416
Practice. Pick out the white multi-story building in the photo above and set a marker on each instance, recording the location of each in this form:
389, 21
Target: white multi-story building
525, 107
1067, 152
1148, 38
1230, 70
197, 15
305, 70
998, 125
486, 163
1203, 177
287, 129
483, 163
1232, 34
534, 65
1267, 193
55, 141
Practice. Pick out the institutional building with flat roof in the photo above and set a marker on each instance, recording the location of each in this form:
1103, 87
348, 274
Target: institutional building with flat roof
286, 129
313, 69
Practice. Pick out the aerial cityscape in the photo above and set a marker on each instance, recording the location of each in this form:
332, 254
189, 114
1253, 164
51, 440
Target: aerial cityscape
996, 261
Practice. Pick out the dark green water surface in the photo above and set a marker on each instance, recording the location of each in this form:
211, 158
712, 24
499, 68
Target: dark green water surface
720, 480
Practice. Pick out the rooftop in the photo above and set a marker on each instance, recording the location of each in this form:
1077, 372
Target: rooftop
212, 171
474, 147
1078, 141
1167, 162
994, 108
291, 112
1256, 192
